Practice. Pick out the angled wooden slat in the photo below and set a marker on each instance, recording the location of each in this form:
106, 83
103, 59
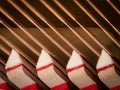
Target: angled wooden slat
54, 29
38, 26
79, 4
49, 7
113, 6
27, 33
103, 16
12, 45
34, 10
34, 50
107, 72
2, 61
82, 26
4, 49
22, 73
51, 72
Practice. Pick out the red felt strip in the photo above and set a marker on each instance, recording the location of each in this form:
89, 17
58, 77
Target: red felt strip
78, 67
44, 67
105, 67
4, 86
74, 68
31, 87
14, 67
116, 88
91, 87
63, 86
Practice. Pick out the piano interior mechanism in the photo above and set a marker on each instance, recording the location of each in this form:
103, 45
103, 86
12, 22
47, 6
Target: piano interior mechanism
60, 44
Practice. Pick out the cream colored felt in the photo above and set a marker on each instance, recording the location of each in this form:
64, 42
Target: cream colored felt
4, 79
47, 71
78, 75
107, 74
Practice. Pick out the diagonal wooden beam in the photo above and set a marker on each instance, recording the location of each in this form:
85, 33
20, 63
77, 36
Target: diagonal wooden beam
83, 8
